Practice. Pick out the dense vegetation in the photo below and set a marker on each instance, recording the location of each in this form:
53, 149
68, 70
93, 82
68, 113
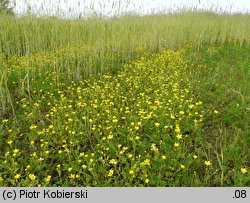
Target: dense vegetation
133, 101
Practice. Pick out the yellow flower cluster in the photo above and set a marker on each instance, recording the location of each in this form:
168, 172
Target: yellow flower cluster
128, 127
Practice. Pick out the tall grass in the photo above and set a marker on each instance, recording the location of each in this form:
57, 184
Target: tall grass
105, 44
27, 35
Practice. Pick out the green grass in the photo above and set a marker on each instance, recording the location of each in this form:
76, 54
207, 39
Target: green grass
223, 74
133, 101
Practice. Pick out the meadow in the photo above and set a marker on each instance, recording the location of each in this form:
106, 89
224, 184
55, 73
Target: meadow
158, 100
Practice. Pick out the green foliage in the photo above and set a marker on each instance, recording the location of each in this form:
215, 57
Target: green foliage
221, 78
134, 101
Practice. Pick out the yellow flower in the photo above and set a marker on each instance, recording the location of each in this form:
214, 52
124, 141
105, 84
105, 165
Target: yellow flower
164, 157
157, 125
5, 121
72, 176
154, 148
15, 151
191, 106
216, 112
32, 127
181, 112
176, 145
182, 166
32, 177
40, 159
172, 116
147, 181
195, 157
177, 129
208, 163
110, 137
137, 127
10, 142
179, 136
243, 170
111, 172
17, 176
48, 179
115, 120
113, 161
131, 172
130, 155
146, 162
81, 154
